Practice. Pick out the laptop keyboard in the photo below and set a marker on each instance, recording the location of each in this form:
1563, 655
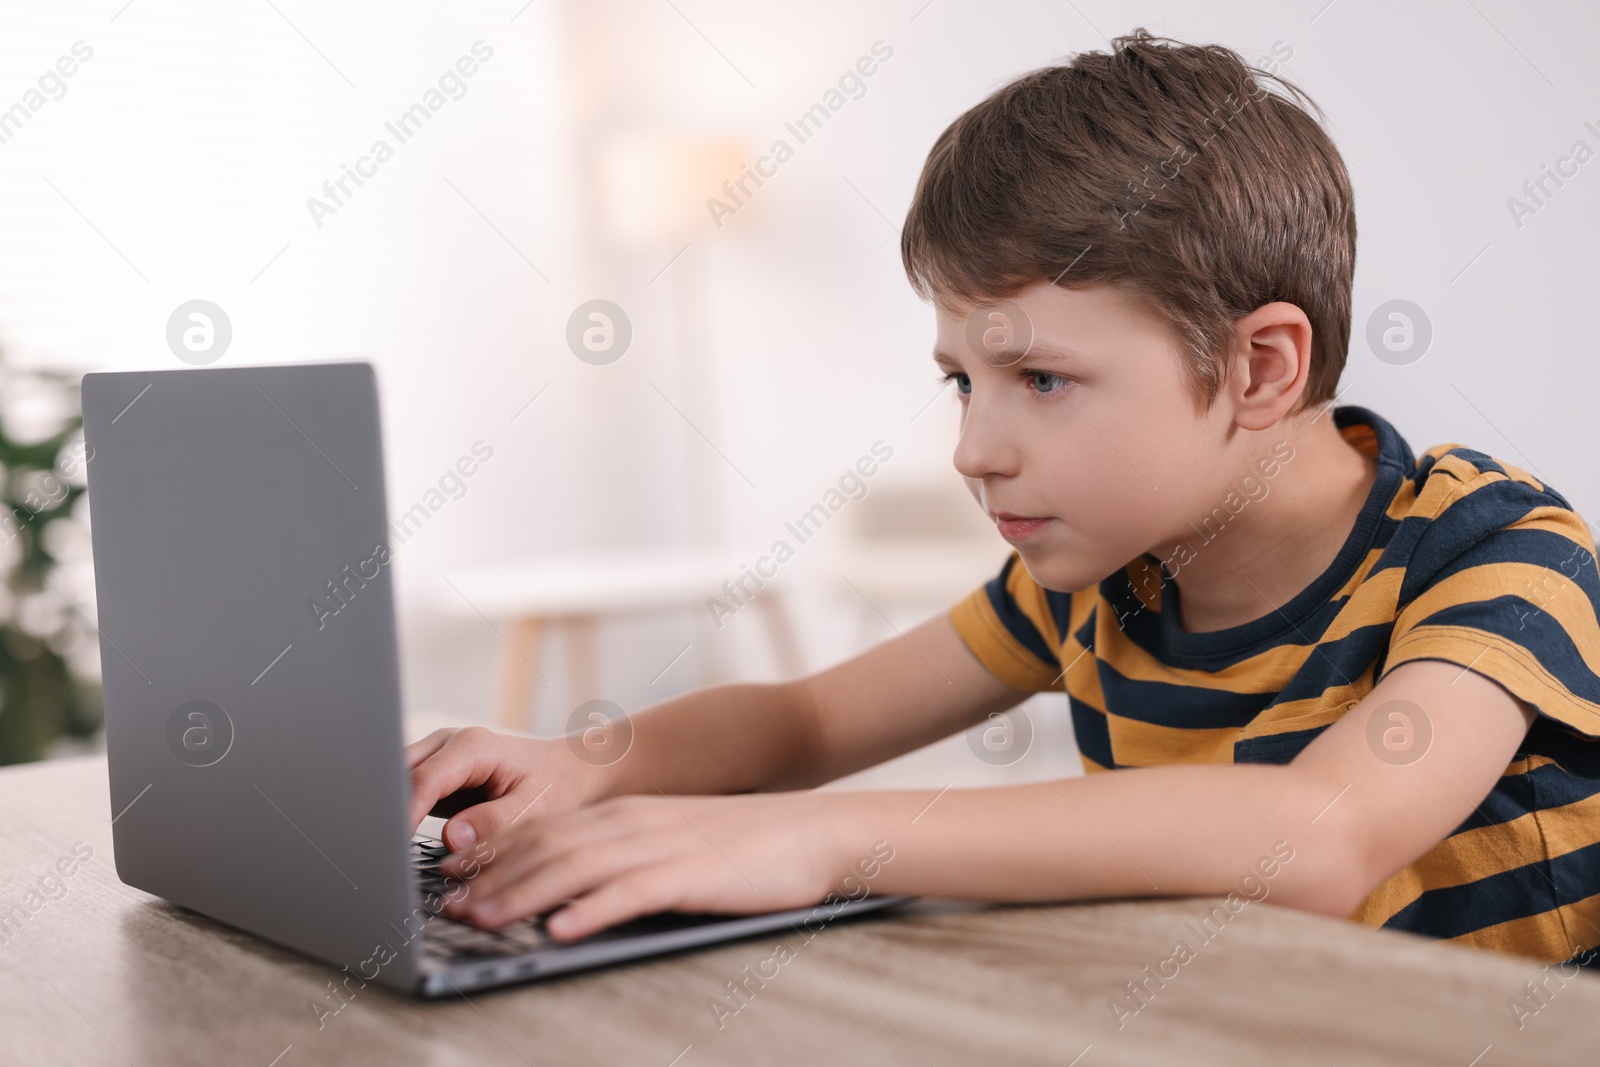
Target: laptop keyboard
448, 939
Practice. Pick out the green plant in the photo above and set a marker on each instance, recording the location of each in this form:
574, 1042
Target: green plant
42, 696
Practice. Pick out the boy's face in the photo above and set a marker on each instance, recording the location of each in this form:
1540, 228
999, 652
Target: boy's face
1092, 433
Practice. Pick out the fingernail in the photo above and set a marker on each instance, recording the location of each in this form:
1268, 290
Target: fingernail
463, 837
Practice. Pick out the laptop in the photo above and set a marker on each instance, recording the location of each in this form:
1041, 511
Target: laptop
254, 742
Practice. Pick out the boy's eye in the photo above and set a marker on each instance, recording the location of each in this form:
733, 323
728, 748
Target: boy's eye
963, 383
1045, 382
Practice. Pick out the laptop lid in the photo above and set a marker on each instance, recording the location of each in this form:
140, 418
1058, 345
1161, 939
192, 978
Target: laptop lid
248, 649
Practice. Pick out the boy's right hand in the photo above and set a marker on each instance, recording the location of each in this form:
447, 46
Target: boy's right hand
519, 776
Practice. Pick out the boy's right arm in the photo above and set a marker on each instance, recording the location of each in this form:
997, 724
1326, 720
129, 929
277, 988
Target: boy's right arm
901, 694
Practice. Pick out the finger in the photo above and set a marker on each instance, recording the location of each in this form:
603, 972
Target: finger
545, 863
418, 751
532, 834
492, 818
515, 854
468, 757
549, 884
644, 891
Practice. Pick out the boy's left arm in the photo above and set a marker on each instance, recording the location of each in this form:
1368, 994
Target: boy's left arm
1359, 803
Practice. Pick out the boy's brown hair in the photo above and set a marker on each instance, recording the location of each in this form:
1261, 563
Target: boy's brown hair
1166, 168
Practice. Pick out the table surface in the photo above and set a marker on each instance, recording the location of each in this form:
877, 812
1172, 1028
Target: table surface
108, 974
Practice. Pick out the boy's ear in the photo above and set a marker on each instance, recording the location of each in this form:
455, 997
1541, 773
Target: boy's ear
1272, 362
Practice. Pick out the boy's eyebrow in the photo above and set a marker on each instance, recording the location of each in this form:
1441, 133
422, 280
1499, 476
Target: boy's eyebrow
1036, 351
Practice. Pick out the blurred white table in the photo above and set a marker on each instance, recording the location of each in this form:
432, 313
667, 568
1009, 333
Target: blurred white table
573, 592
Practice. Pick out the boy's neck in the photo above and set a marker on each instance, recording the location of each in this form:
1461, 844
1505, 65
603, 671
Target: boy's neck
1280, 544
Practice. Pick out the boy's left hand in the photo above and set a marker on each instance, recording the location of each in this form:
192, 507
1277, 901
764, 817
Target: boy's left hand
640, 854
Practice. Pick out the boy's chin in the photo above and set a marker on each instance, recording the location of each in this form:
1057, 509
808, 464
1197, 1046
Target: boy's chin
1053, 572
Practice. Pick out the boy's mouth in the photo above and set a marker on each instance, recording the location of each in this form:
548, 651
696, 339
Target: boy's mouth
1019, 527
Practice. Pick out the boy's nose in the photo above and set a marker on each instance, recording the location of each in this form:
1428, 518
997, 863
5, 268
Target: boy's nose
986, 446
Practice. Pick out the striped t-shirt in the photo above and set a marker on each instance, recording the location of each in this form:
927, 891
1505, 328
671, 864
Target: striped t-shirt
1455, 556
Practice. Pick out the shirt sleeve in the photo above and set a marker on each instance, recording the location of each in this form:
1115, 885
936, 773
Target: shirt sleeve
1518, 604
1008, 624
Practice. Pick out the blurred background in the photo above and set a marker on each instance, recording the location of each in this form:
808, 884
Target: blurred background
560, 261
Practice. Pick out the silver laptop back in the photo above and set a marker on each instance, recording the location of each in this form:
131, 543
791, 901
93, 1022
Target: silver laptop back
248, 646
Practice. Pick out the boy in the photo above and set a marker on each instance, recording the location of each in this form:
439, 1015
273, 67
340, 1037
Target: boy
1295, 652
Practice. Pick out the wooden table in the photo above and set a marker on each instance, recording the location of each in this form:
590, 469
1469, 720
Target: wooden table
106, 974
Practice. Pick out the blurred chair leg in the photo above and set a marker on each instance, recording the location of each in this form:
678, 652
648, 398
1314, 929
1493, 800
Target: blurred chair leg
583, 670
781, 632
869, 625
709, 651
517, 673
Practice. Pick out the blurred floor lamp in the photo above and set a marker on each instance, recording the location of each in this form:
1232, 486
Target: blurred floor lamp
652, 196
652, 189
